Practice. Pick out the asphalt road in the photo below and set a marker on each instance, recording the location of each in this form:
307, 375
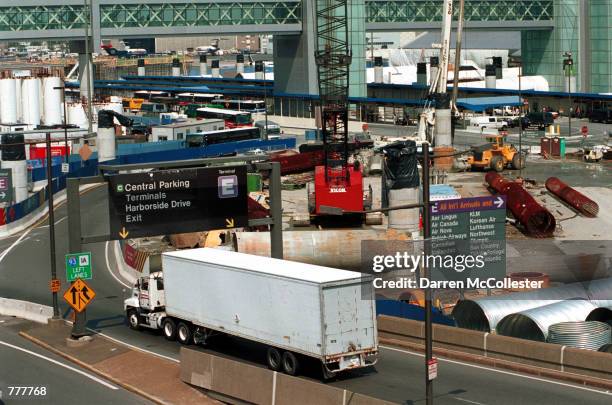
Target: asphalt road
599, 133
24, 274
54, 380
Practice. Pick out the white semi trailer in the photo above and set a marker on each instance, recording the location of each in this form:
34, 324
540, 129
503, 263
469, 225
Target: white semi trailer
294, 309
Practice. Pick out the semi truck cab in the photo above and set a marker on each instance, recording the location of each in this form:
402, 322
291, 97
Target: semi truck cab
147, 304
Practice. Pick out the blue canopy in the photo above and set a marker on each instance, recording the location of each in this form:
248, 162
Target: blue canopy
479, 104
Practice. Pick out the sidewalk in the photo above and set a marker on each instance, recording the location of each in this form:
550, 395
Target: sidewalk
152, 377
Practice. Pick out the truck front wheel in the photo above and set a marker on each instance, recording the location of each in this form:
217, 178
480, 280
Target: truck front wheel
133, 320
290, 363
169, 328
183, 333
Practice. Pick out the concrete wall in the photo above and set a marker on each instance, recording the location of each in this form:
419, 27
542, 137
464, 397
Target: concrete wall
236, 380
491, 346
25, 310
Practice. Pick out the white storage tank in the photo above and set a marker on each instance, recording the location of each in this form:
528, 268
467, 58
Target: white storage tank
76, 115
41, 105
18, 102
30, 97
8, 105
52, 100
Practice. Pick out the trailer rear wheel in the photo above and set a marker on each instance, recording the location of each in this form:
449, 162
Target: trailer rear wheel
169, 328
290, 363
274, 359
184, 333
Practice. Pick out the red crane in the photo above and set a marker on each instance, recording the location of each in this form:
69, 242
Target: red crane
338, 184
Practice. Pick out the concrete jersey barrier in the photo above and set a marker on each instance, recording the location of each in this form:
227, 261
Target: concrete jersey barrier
25, 310
257, 385
528, 352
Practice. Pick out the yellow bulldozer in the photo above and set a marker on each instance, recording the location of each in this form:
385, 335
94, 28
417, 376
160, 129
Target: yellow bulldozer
496, 155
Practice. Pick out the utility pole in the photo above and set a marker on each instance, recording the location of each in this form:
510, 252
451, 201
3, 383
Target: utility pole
568, 68
63, 89
458, 55
56, 314
426, 274
265, 100
89, 71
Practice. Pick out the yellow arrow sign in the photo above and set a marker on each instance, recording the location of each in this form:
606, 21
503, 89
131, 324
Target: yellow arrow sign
123, 233
229, 222
79, 295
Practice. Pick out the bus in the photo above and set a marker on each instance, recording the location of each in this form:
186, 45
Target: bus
151, 94
199, 139
191, 110
233, 119
243, 105
197, 98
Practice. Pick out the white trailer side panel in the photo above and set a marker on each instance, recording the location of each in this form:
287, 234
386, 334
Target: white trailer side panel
279, 303
257, 306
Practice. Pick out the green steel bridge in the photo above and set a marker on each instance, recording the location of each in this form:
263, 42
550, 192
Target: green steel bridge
548, 29
66, 19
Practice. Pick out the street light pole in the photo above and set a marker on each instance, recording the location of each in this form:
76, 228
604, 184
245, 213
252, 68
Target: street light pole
56, 314
89, 69
265, 100
63, 89
568, 67
425, 274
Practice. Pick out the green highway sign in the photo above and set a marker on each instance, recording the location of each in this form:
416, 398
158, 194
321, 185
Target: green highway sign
78, 265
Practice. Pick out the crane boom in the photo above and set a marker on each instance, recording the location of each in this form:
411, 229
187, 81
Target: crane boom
447, 21
338, 183
333, 59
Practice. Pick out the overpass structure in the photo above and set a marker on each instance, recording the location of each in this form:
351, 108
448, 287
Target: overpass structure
548, 27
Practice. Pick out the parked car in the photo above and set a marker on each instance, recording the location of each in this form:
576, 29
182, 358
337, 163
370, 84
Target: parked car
273, 128
539, 120
490, 122
603, 116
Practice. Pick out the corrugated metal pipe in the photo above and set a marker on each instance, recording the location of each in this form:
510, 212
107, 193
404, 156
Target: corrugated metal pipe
601, 314
590, 335
536, 220
332, 248
577, 200
533, 323
485, 313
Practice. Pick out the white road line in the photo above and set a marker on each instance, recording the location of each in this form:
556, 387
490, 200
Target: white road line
56, 222
468, 401
110, 270
502, 371
91, 377
134, 347
7, 251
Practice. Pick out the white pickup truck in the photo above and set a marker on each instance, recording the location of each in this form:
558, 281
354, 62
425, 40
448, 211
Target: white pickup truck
489, 122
